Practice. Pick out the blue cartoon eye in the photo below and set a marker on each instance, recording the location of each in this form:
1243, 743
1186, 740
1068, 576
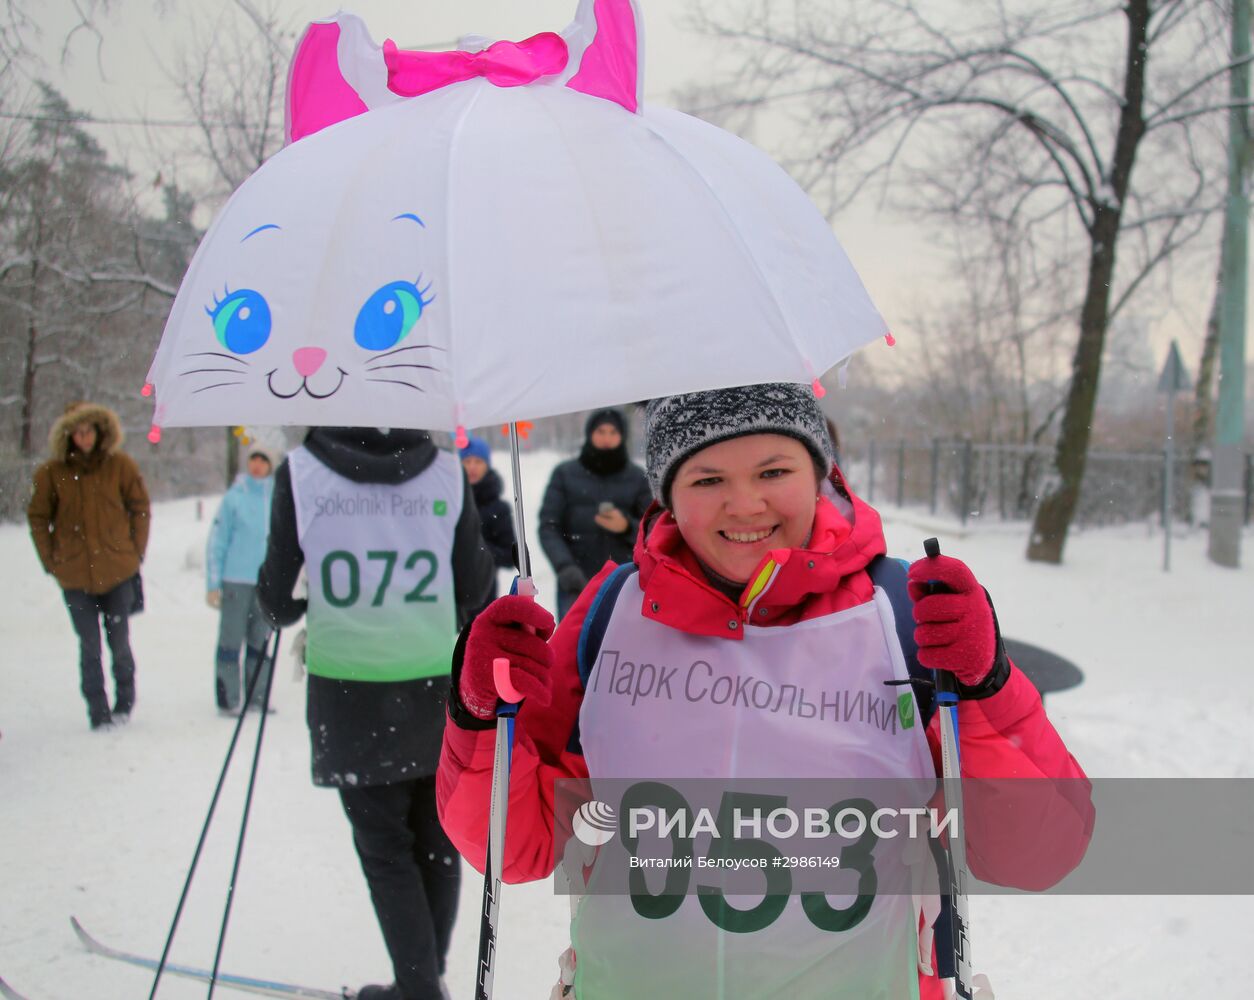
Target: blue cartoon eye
241, 320
389, 314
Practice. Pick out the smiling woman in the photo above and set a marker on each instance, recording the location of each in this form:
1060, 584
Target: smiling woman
758, 589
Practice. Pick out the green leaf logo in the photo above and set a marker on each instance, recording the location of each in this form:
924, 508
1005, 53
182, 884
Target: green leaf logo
440, 508
905, 710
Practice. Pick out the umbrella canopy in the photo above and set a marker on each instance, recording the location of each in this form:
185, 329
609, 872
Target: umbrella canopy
523, 241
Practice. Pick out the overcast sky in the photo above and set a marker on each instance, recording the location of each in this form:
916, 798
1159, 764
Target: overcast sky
120, 77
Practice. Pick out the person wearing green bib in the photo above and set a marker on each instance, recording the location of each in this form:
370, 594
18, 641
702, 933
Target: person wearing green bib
396, 565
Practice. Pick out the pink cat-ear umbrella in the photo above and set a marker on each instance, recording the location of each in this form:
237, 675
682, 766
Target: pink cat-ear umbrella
450, 237
449, 233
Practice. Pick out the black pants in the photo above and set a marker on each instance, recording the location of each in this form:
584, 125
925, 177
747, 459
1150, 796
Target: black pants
414, 874
86, 610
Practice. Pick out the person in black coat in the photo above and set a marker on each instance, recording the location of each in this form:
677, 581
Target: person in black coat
495, 517
592, 507
397, 565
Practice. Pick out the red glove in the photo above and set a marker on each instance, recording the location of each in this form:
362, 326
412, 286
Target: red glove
518, 629
956, 627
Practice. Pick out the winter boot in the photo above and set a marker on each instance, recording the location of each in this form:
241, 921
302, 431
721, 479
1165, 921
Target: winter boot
98, 714
124, 702
390, 992
227, 678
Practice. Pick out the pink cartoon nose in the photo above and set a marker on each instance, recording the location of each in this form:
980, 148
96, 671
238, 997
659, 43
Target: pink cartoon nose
308, 360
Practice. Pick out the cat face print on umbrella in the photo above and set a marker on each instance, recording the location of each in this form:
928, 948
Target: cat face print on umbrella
468, 238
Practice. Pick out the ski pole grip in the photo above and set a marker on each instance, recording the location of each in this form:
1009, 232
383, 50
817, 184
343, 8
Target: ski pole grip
946, 683
524, 586
931, 548
500, 677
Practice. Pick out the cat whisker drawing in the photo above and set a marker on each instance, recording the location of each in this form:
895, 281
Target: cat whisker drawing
214, 369
411, 347
391, 381
217, 354
378, 368
197, 371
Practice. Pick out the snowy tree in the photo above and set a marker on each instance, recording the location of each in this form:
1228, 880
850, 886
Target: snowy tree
1008, 115
85, 280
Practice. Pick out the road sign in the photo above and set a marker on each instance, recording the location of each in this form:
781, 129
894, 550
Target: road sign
1175, 377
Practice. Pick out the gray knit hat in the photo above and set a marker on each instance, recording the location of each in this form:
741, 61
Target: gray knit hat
677, 427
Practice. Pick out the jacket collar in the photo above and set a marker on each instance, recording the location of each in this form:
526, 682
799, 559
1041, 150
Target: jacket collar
252, 485
369, 455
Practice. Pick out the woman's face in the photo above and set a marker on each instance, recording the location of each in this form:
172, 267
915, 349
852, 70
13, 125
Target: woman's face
737, 500
84, 437
258, 466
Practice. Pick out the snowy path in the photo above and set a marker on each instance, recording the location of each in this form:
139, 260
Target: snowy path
103, 825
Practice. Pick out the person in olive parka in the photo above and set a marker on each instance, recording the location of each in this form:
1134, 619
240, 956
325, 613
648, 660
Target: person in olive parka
89, 517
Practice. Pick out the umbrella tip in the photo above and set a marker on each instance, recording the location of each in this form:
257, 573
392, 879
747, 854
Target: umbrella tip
154, 434
463, 439
889, 339
146, 390
820, 390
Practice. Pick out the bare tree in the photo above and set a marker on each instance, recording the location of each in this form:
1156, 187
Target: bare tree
1009, 113
231, 77
15, 29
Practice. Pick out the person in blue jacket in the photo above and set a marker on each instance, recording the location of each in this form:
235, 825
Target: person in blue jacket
237, 546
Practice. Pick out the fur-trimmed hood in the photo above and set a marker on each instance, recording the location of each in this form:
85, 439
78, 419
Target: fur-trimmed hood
109, 434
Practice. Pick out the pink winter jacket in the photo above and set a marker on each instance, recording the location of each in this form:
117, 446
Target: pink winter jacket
1003, 736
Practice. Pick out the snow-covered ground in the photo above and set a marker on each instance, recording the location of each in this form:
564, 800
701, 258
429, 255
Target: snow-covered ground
103, 825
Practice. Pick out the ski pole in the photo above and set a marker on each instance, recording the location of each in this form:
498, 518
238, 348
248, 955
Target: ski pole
204, 830
493, 867
248, 796
951, 774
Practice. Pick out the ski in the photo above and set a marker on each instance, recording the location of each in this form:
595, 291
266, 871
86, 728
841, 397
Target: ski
246, 984
8, 992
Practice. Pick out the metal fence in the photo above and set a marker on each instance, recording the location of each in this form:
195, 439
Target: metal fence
968, 479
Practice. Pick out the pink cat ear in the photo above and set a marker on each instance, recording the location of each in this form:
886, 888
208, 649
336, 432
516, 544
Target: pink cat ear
606, 42
337, 72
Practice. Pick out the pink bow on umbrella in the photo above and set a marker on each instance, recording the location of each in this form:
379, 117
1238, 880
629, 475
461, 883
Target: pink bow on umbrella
504, 64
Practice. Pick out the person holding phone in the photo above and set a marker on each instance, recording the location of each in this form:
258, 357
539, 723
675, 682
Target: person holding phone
592, 507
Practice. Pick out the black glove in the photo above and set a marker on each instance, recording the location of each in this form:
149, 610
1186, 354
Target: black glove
571, 579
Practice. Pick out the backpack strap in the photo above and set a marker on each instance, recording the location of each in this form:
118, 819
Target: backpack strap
593, 632
890, 575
